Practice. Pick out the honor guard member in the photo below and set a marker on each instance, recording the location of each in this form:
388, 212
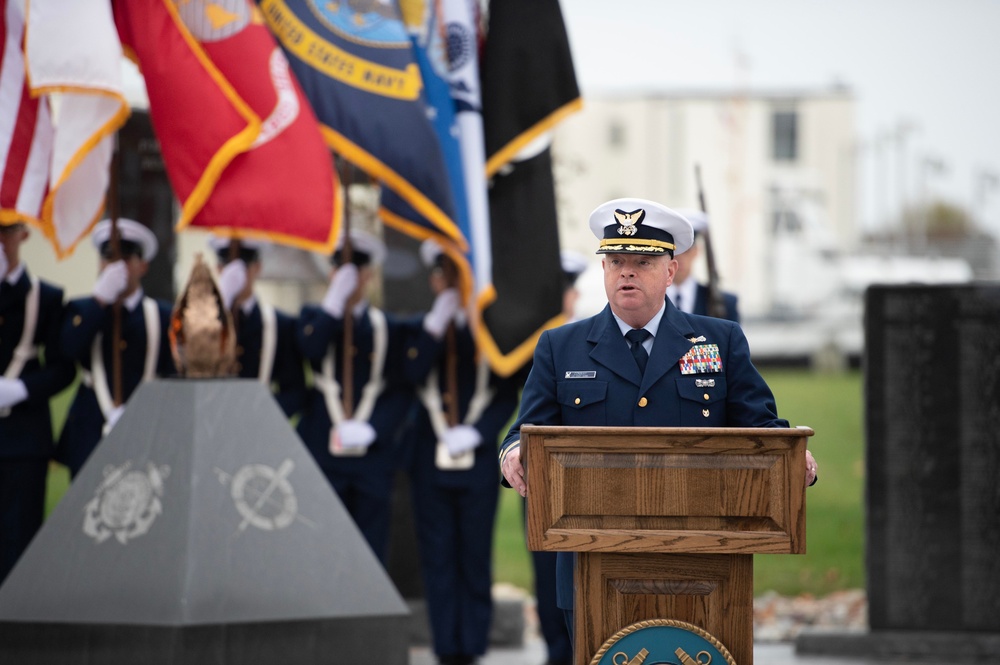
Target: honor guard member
687, 293
87, 336
353, 434
266, 348
453, 473
30, 315
573, 265
640, 362
559, 650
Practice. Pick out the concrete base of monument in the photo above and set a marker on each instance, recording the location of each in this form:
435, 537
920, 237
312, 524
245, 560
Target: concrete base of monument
910, 645
506, 632
375, 640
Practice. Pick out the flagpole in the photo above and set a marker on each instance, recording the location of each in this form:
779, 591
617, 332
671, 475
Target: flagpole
234, 253
716, 304
346, 254
451, 350
116, 254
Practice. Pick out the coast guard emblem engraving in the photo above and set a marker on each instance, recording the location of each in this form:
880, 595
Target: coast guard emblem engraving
126, 503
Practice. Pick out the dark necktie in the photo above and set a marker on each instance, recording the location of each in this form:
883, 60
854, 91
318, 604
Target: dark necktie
636, 338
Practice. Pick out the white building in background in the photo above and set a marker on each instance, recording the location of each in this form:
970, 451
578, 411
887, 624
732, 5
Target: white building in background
777, 167
779, 173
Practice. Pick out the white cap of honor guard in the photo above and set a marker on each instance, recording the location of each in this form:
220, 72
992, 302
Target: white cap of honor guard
698, 219
365, 249
638, 226
573, 264
430, 252
249, 249
135, 239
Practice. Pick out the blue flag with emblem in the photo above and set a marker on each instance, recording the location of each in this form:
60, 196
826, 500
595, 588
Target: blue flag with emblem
357, 68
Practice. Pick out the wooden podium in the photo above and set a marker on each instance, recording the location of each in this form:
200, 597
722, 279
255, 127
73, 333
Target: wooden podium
666, 521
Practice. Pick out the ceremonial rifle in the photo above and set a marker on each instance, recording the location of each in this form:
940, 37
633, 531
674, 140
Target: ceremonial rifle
116, 253
346, 254
716, 303
451, 347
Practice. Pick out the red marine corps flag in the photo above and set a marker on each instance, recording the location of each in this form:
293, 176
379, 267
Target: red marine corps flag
242, 147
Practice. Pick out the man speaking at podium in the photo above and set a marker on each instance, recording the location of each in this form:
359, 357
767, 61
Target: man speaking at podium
640, 362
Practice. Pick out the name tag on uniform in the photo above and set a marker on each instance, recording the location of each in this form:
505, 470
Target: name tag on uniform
582, 375
701, 359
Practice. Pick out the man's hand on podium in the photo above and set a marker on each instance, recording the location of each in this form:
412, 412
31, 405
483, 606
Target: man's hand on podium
513, 471
811, 470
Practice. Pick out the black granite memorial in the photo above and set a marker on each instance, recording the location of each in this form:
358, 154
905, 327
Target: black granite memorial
201, 531
932, 394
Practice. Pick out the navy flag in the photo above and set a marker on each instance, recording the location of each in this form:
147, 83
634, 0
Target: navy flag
528, 86
357, 68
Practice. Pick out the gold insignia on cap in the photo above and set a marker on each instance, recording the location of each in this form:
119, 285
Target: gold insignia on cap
628, 220
636, 246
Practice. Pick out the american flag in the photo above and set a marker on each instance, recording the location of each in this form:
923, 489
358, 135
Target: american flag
25, 128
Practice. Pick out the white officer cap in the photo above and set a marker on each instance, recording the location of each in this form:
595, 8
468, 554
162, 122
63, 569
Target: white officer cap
430, 250
249, 248
573, 264
638, 226
698, 219
135, 238
365, 249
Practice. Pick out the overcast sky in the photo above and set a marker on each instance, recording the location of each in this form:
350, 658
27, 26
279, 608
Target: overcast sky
928, 65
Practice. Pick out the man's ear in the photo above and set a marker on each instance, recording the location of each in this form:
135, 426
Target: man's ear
672, 270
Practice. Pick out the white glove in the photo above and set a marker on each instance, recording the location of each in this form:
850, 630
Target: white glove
232, 279
3, 262
111, 283
445, 307
461, 438
356, 434
113, 417
342, 286
12, 391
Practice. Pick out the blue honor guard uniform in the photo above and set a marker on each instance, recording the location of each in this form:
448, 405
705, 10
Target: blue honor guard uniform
30, 314
355, 442
87, 338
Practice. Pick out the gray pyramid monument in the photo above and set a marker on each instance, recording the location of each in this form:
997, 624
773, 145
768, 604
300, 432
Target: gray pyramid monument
201, 531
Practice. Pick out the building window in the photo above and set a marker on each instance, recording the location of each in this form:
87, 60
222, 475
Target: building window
785, 135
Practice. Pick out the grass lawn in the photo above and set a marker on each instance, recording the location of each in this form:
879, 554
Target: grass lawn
831, 405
